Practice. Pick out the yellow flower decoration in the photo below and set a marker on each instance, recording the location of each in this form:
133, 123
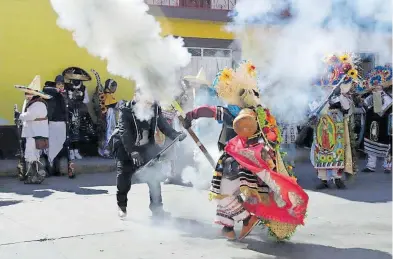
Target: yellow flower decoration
251, 69
330, 158
353, 73
344, 58
226, 75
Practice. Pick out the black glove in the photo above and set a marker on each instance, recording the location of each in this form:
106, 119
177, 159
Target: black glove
187, 123
16, 115
182, 136
136, 159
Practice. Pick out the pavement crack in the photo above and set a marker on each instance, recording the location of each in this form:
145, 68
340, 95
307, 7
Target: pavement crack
59, 238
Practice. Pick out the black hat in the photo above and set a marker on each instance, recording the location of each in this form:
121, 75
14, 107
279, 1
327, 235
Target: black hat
110, 85
59, 79
76, 73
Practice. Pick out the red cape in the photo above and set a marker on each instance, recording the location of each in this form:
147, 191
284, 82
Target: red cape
288, 201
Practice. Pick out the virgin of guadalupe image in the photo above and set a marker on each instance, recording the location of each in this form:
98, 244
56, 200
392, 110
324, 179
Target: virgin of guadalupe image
326, 132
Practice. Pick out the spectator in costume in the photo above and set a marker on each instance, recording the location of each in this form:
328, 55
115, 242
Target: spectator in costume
81, 124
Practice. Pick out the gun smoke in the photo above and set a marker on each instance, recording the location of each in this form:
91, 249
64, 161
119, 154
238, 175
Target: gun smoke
289, 50
129, 39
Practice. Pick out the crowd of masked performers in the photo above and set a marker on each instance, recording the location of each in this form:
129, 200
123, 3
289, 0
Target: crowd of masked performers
55, 121
253, 181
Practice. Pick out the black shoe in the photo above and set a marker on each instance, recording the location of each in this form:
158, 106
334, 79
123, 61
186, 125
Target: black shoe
367, 170
322, 185
339, 183
387, 171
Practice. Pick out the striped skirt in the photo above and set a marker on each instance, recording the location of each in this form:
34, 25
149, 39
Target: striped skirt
230, 193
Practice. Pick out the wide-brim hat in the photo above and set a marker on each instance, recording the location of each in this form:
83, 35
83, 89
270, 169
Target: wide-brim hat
76, 73
200, 78
34, 88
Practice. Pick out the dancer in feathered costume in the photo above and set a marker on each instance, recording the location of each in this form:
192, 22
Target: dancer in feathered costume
250, 183
378, 138
332, 151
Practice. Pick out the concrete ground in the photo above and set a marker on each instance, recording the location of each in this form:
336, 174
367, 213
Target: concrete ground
77, 218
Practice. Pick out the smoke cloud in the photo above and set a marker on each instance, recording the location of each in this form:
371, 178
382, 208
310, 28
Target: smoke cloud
128, 38
289, 51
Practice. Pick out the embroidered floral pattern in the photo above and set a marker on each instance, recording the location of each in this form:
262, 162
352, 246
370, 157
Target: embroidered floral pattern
249, 154
265, 176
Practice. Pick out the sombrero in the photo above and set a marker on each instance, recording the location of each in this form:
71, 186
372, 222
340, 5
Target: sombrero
76, 73
200, 78
34, 88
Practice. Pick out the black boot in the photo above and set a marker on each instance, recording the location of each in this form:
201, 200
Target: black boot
368, 170
35, 174
21, 169
339, 183
322, 185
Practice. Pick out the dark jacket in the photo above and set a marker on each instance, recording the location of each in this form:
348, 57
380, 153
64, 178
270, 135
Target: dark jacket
128, 129
56, 105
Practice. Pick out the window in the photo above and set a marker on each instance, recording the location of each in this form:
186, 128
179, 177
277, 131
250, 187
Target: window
366, 64
210, 52
204, 4
195, 52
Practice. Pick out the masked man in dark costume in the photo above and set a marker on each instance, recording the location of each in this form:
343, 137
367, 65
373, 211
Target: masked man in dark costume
377, 140
81, 124
58, 119
134, 144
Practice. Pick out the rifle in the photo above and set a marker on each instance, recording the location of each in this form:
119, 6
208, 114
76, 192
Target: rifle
181, 116
21, 154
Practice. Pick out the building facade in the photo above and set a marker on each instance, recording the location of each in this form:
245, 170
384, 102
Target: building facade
32, 44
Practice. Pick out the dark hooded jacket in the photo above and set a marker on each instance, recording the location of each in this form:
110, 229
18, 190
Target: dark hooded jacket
129, 130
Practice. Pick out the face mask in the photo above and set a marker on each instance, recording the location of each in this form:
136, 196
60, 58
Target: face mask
76, 82
377, 101
249, 98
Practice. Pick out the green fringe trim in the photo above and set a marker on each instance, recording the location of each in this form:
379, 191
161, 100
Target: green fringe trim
271, 234
352, 137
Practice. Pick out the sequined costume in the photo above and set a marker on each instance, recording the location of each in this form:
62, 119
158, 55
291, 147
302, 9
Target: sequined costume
231, 179
378, 104
331, 152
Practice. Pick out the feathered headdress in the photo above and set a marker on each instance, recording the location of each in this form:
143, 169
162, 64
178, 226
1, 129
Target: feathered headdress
340, 67
229, 83
379, 76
